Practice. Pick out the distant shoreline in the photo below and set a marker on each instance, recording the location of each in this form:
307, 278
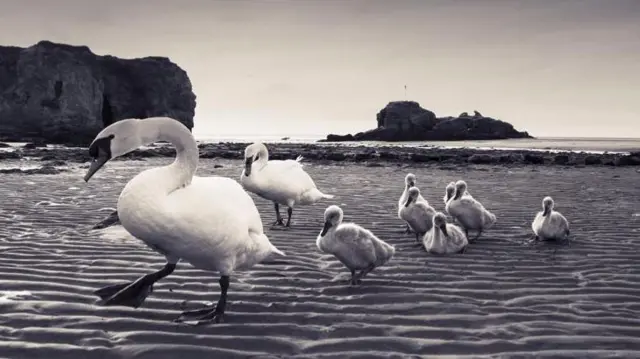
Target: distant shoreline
379, 154
554, 144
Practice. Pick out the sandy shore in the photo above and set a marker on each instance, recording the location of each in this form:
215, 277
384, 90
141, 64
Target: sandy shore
502, 298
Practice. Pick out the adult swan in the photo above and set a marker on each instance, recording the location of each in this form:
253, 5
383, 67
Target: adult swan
210, 222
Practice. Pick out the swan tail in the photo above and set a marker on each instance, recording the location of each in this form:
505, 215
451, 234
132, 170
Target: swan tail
315, 195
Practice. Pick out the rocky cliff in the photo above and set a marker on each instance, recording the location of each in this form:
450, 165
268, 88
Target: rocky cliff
66, 94
407, 121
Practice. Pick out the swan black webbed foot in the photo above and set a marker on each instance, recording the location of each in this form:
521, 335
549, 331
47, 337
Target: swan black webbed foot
209, 314
279, 221
132, 294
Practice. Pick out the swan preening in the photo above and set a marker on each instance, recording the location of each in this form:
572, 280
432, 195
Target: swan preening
284, 182
409, 181
357, 248
443, 237
469, 212
210, 222
418, 214
550, 224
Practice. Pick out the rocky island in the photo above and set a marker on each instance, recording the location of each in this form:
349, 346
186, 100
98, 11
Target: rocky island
407, 121
57, 93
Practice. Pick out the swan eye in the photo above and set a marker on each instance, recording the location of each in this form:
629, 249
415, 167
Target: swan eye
257, 157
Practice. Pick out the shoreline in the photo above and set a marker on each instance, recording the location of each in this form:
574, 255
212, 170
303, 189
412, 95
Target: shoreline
356, 152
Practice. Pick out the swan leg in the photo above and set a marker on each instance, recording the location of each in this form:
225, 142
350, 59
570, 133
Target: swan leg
210, 313
366, 271
407, 229
113, 219
289, 213
477, 236
133, 294
354, 278
279, 221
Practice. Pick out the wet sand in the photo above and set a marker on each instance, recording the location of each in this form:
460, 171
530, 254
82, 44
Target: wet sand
502, 298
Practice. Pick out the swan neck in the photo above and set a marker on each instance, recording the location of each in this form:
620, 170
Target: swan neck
174, 132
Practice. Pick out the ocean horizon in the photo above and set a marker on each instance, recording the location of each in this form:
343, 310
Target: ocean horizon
575, 144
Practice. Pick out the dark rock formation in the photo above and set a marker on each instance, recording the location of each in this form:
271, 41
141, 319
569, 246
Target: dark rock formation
407, 121
66, 94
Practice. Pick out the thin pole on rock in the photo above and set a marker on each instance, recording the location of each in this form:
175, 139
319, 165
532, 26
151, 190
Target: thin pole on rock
405, 92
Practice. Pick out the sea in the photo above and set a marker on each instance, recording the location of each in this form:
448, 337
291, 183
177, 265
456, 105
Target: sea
553, 144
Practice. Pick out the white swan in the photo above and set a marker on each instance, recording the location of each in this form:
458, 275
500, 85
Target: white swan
444, 238
357, 248
282, 182
417, 214
550, 224
449, 191
409, 181
470, 213
210, 222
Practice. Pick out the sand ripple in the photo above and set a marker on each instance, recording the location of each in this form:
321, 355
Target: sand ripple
502, 298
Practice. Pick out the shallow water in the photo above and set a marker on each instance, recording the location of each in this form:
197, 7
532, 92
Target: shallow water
502, 297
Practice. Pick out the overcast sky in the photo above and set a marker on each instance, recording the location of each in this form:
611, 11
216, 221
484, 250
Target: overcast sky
553, 67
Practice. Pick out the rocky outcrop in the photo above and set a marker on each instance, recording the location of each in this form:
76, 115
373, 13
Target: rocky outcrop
66, 94
407, 121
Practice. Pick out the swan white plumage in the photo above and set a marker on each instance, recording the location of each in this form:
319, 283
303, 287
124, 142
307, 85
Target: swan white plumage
210, 222
284, 182
550, 224
418, 214
409, 181
449, 191
469, 212
443, 237
356, 247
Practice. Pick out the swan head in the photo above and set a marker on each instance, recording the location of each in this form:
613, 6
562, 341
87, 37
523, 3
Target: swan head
113, 141
252, 153
412, 195
547, 205
450, 190
440, 221
410, 180
332, 218
461, 188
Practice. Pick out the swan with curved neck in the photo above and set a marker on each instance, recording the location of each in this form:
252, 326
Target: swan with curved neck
409, 182
282, 182
550, 224
443, 237
469, 212
210, 222
418, 214
357, 248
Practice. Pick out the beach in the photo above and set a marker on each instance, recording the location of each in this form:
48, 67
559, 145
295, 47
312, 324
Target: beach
502, 298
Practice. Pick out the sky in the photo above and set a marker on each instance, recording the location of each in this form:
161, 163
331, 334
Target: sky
555, 68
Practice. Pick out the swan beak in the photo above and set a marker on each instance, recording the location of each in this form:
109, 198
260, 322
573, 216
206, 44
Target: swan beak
449, 194
443, 228
247, 166
411, 184
546, 212
406, 204
325, 229
96, 164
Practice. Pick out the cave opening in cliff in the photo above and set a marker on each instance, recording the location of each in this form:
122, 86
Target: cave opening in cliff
107, 112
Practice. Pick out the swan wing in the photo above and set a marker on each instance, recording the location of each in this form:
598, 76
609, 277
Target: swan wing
354, 246
210, 220
286, 177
